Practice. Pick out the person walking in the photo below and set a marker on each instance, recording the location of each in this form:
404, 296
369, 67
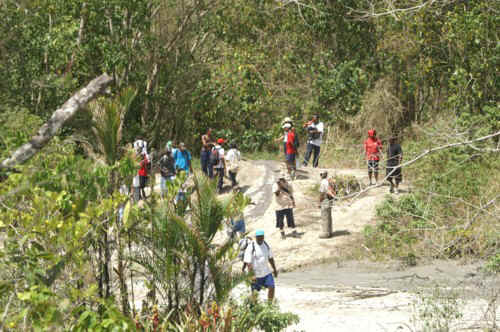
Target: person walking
233, 159
291, 150
283, 194
327, 194
256, 258
182, 159
217, 159
206, 146
315, 130
167, 169
143, 175
393, 168
373, 149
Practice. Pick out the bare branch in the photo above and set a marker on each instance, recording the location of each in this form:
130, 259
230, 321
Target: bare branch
57, 120
420, 156
391, 9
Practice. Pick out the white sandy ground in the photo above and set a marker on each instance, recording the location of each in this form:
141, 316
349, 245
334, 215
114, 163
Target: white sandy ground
324, 296
324, 304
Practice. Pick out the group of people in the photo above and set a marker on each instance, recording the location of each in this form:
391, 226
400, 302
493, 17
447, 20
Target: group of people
372, 146
315, 130
258, 256
216, 162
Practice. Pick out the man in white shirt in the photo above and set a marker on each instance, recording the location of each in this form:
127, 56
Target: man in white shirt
283, 194
257, 255
233, 158
315, 130
326, 195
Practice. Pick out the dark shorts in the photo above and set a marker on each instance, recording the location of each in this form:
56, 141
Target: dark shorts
290, 158
280, 216
267, 281
143, 180
396, 174
372, 165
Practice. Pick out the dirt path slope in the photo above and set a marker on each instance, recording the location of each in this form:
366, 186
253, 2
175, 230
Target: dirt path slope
306, 248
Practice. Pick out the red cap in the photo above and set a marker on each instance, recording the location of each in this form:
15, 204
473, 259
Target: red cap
371, 132
221, 141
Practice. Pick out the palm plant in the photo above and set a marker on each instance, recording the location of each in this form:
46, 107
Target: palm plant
107, 124
181, 257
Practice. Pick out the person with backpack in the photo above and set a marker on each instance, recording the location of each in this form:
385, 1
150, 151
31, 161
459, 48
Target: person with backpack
206, 147
167, 169
283, 194
233, 159
182, 159
373, 149
257, 255
219, 163
315, 138
393, 168
327, 194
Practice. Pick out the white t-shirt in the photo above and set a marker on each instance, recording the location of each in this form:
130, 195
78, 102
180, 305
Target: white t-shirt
258, 258
283, 199
221, 156
233, 158
324, 186
320, 127
285, 137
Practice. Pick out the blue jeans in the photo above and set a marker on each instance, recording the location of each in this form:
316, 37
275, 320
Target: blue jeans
312, 148
205, 162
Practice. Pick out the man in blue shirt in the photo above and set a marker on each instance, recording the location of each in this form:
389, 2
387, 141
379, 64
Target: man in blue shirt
183, 159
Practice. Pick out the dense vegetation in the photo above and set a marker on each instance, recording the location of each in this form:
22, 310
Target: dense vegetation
424, 70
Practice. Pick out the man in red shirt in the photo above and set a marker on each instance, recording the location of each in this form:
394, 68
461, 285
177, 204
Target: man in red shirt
373, 149
291, 149
143, 175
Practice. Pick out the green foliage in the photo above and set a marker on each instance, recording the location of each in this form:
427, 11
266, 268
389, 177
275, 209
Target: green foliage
493, 263
444, 216
438, 311
264, 316
16, 128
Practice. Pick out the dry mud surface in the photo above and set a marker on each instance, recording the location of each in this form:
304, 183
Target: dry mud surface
357, 296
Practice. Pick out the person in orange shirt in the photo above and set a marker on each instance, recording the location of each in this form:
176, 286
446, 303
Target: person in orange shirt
373, 149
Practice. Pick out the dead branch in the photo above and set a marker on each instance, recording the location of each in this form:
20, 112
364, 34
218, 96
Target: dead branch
391, 9
56, 121
420, 156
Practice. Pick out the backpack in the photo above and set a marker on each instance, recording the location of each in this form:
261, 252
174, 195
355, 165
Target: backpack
243, 245
214, 157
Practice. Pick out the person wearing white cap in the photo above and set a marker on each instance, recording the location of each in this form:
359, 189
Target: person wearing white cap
291, 150
257, 255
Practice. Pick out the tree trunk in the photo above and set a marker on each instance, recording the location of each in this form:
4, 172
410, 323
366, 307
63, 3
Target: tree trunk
57, 120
